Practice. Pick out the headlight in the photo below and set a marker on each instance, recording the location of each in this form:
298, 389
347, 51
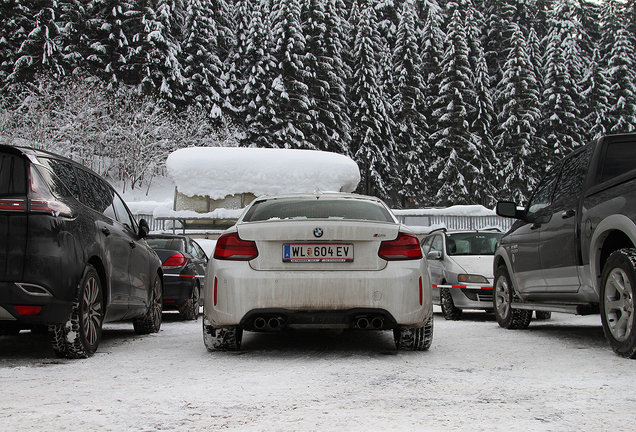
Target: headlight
469, 278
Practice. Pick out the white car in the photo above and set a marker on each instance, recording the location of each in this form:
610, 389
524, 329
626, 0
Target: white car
461, 269
317, 261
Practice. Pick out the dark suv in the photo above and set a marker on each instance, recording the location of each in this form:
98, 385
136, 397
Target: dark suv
71, 255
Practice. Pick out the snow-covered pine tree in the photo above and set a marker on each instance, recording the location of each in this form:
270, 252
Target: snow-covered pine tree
109, 31
595, 90
292, 122
431, 35
237, 65
157, 51
327, 92
481, 186
618, 59
15, 26
40, 51
260, 72
562, 127
202, 67
411, 140
456, 146
372, 142
517, 146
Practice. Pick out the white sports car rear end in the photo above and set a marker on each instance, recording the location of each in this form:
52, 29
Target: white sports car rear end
328, 261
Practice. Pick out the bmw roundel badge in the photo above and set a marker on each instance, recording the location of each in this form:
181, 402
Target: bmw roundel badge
318, 232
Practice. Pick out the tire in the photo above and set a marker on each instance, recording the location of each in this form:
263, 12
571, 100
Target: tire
502, 298
414, 338
79, 337
541, 315
449, 310
151, 322
190, 309
617, 302
222, 338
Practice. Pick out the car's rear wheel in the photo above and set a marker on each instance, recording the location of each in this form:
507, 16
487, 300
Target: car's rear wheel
151, 322
617, 302
448, 305
222, 338
414, 338
80, 335
190, 309
507, 317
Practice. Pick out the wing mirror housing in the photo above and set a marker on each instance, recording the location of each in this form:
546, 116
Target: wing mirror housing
144, 228
509, 209
434, 255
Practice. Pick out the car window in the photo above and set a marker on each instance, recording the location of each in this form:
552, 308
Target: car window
321, 208
95, 194
426, 244
12, 175
197, 251
437, 244
169, 243
620, 157
478, 243
122, 213
65, 172
543, 195
573, 174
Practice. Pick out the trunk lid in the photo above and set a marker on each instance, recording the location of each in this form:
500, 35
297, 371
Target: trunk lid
363, 237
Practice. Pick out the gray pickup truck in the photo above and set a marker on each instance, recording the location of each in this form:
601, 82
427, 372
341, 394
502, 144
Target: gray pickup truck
573, 248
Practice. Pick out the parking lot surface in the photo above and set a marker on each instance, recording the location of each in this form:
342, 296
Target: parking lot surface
558, 375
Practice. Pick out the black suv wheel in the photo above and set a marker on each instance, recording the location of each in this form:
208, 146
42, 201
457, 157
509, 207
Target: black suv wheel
507, 317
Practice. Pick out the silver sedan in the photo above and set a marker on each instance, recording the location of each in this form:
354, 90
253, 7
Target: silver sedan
318, 261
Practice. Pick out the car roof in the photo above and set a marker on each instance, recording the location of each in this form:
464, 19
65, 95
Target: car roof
318, 194
467, 231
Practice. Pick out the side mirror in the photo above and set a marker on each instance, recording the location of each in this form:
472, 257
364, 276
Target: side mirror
508, 209
434, 255
144, 228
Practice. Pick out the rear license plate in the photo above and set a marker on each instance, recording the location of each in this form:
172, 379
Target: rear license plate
327, 253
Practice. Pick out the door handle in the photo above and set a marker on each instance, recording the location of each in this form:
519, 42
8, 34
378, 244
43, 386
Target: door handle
106, 231
132, 244
535, 226
568, 214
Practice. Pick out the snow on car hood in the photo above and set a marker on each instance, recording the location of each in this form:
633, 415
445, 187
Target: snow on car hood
475, 264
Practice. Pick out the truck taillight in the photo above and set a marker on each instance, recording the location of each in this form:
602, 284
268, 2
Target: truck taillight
404, 247
232, 247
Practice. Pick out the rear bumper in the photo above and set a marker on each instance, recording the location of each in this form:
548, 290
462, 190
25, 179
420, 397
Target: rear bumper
318, 297
54, 311
176, 289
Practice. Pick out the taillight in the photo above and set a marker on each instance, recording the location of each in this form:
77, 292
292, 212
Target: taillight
13, 204
175, 261
404, 247
231, 247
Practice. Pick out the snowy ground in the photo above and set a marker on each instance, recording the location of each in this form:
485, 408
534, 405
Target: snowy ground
559, 375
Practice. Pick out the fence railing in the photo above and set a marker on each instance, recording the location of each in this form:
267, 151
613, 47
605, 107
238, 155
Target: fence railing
451, 222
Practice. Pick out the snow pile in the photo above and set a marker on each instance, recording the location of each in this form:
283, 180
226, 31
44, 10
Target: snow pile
457, 210
220, 213
221, 171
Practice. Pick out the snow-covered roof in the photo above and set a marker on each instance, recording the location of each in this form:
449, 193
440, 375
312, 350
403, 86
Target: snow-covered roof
221, 171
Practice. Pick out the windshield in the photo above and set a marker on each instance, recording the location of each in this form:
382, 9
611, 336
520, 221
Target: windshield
482, 243
319, 208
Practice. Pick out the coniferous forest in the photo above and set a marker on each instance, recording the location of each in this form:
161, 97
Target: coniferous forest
440, 102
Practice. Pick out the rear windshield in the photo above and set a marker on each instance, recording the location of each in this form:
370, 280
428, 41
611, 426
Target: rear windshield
13, 179
472, 243
165, 243
318, 208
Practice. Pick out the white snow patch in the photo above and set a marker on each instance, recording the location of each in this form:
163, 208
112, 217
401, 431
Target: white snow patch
221, 171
